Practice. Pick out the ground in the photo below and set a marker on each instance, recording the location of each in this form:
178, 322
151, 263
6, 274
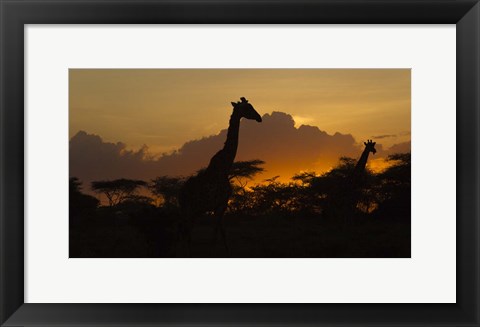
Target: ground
106, 233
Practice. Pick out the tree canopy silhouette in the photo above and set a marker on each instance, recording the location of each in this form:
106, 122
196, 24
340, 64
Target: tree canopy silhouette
117, 190
80, 202
167, 188
246, 169
394, 192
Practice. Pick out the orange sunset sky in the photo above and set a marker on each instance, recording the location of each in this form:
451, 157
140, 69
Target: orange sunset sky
181, 116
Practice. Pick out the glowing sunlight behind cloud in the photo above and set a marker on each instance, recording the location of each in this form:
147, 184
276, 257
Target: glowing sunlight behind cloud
311, 117
301, 120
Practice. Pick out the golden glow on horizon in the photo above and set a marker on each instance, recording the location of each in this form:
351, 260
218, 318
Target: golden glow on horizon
377, 165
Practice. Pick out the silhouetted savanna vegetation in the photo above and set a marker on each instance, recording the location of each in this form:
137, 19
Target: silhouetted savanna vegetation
311, 215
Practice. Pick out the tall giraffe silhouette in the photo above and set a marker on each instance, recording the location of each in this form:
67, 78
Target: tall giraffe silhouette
210, 189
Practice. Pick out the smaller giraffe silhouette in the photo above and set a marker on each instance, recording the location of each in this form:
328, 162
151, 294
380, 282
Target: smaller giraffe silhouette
358, 173
344, 199
356, 181
210, 189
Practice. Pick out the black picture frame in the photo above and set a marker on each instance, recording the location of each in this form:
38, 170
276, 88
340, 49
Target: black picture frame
16, 13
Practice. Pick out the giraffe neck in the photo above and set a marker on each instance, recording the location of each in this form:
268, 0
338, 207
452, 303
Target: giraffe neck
222, 161
231, 144
362, 162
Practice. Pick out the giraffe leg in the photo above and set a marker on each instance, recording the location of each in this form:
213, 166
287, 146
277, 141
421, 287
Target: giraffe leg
188, 233
222, 230
184, 239
215, 236
215, 233
219, 226
179, 239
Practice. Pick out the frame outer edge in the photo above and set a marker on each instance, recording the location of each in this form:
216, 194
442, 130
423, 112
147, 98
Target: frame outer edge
11, 292
2, 156
468, 164
11, 161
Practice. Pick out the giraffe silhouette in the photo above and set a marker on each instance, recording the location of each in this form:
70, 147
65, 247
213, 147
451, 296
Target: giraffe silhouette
356, 181
344, 198
210, 189
358, 174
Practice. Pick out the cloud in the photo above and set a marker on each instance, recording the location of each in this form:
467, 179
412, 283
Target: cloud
400, 148
91, 158
285, 149
302, 120
378, 137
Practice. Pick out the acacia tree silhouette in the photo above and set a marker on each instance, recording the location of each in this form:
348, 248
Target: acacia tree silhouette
210, 189
167, 188
241, 173
117, 190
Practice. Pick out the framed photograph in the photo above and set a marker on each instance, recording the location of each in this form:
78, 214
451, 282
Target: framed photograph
240, 163
237, 188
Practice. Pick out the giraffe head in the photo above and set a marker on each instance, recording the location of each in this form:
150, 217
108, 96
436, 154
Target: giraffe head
246, 110
370, 146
